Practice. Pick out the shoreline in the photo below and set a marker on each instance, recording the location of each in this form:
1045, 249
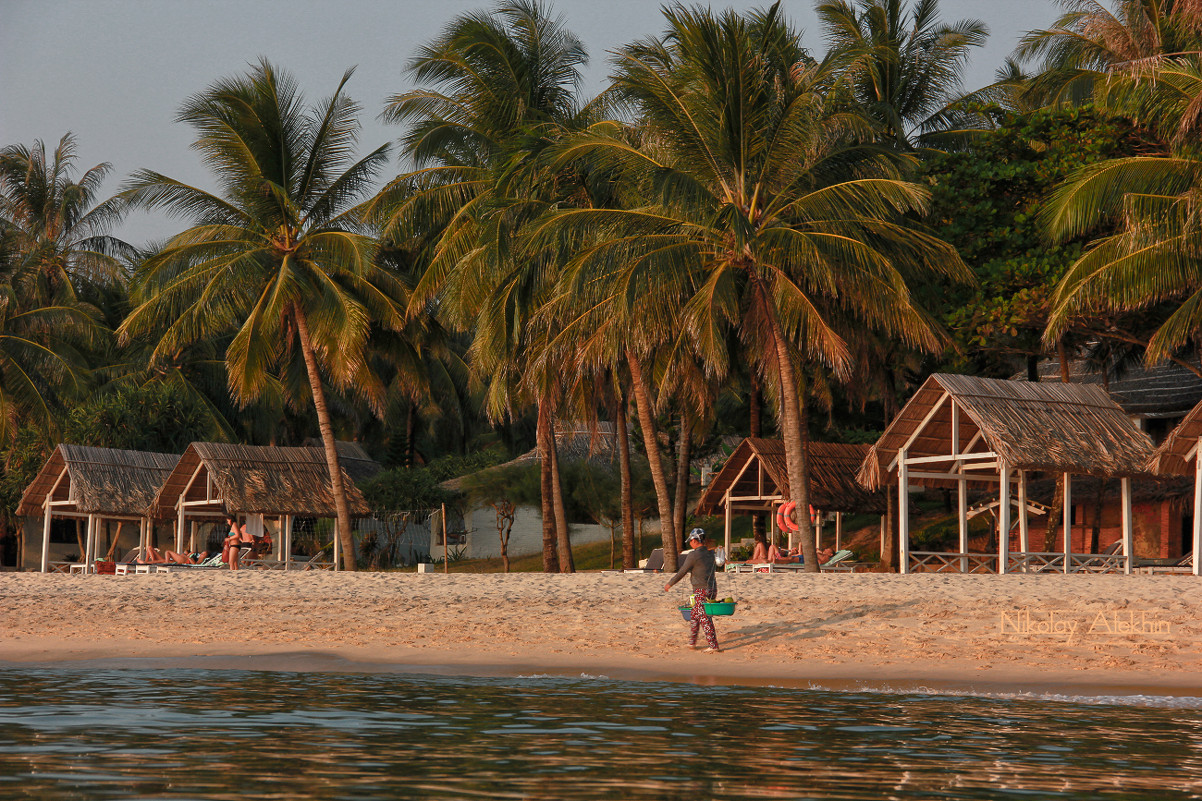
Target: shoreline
927, 632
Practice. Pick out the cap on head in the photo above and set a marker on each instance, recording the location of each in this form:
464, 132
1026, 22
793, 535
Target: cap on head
697, 534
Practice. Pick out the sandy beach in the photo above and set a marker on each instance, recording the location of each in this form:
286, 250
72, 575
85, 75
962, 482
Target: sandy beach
1098, 634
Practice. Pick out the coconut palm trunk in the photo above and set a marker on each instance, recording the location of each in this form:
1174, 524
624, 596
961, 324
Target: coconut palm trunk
337, 486
792, 424
546, 487
642, 402
563, 533
629, 560
683, 454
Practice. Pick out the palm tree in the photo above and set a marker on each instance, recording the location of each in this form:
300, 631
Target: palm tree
502, 86
759, 200
273, 258
1090, 42
903, 69
56, 234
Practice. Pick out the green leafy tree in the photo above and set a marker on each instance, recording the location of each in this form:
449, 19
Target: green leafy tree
273, 259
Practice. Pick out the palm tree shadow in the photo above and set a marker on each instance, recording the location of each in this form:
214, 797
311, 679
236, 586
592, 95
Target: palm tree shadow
804, 629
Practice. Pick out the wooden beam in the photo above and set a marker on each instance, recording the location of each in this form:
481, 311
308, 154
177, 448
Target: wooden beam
961, 488
1128, 527
49, 499
950, 458
905, 448
1068, 520
45, 542
1003, 520
1023, 527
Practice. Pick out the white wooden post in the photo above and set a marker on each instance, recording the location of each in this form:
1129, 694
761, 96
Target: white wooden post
903, 511
817, 521
961, 487
179, 530
1024, 527
727, 522
1003, 519
46, 539
287, 541
1068, 521
90, 546
1128, 527
838, 531
1197, 509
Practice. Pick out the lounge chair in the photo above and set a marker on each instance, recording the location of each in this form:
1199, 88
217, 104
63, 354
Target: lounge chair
653, 564
838, 562
1183, 565
211, 563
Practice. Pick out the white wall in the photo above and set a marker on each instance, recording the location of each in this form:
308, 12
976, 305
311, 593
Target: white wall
526, 537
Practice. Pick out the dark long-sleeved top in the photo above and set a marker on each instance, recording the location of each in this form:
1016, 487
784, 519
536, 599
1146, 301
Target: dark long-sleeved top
699, 564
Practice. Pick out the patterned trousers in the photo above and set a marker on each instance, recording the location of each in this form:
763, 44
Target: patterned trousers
702, 620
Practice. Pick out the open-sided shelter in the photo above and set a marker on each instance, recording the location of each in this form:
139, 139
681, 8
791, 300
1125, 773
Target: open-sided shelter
755, 479
1178, 456
961, 429
214, 479
96, 485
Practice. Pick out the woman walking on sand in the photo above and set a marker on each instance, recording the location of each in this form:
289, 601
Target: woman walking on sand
699, 564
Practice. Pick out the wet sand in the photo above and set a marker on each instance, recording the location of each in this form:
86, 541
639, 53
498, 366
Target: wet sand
1074, 634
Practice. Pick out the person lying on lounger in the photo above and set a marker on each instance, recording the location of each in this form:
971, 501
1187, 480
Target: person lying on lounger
156, 557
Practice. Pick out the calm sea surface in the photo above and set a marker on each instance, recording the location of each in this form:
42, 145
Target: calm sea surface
215, 734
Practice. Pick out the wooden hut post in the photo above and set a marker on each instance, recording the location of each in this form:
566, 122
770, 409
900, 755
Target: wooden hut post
1197, 508
838, 531
727, 521
903, 511
46, 538
446, 557
179, 529
1128, 528
287, 541
1023, 526
1068, 522
1003, 519
816, 520
90, 548
961, 487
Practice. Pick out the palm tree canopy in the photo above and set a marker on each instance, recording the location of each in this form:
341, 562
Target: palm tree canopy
275, 242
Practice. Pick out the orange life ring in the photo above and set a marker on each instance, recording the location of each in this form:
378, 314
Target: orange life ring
788, 524
780, 517
813, 515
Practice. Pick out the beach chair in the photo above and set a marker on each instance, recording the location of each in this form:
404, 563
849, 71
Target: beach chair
1182, 566
212, 563
652, 564
838, 562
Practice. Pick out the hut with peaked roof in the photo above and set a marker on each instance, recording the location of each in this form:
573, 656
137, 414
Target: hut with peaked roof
755, 479
214, 479
96, 485
1178, 455
958, 430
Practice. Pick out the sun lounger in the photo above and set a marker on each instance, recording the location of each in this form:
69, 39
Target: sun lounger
653, 564
1182, 566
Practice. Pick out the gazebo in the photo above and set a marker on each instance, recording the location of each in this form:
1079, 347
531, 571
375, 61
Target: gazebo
96, 485
214, 479
960, 429
1178, 456
755, 479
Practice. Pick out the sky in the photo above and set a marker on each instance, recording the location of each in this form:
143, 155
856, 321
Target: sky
114, 72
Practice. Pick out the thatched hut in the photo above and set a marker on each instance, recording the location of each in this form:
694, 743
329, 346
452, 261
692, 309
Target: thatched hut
1178, 456
96, 485
214, 479
958, 430
755, 480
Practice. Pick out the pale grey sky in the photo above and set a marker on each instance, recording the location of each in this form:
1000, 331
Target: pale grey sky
114, 72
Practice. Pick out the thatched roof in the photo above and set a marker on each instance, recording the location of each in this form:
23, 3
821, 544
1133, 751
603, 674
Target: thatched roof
833, 486
1170, 459
266, 479
1062, 428
99, 480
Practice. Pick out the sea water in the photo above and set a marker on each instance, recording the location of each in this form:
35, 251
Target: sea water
217, 734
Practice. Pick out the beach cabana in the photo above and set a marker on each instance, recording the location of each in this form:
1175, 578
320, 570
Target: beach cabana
95, 485
1178, 456
214, 479
958, 430
755, 480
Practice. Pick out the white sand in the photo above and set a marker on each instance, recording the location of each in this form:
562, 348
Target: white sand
833, 629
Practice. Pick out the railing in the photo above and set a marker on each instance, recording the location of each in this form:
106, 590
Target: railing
1018, 562
945, 562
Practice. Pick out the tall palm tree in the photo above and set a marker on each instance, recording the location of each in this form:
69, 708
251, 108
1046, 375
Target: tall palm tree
1090, 42
273, 258
763, 201
903, 68
501, 86
57, 234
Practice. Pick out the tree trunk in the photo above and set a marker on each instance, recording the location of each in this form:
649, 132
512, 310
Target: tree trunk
544, 434
887, 547
563, 534
642, 402
759, 521
629, 560
1095, 533
792, 429
680, 507
116, 539
337, 486
410, 433
79, 540
1055, 515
